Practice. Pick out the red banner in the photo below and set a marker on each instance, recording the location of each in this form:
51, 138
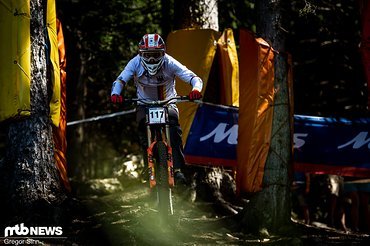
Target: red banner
59, 133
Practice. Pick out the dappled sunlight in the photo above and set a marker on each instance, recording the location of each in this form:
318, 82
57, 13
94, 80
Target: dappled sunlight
130, 216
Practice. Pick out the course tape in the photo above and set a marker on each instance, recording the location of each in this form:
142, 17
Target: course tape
101, 117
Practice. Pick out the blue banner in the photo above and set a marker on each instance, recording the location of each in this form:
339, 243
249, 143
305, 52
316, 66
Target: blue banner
332, 145
321, 145
213, 136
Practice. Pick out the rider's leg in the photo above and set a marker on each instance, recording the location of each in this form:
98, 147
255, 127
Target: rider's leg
176, 144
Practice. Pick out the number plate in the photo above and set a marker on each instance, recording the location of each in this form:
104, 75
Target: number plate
157, 116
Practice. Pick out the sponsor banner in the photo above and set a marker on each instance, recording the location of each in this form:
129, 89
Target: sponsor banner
332, 145
213, 136
321, 145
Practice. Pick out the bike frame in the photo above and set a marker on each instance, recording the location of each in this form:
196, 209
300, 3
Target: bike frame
158, 132
159, 149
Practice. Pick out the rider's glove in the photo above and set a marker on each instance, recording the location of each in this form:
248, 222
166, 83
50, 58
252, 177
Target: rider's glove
116, 98
195, 95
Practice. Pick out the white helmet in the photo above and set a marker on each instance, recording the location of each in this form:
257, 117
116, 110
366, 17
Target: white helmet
151, 50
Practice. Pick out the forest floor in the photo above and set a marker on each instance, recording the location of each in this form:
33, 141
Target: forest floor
127, 216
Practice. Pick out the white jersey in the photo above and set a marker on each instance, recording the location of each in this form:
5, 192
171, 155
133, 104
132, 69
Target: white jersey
159, 86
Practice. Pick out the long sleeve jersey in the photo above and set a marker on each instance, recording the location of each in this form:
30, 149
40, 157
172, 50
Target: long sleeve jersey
157, 87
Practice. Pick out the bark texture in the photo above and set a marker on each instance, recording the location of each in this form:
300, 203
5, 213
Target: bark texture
33, 187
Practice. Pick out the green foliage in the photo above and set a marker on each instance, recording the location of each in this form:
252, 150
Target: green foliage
237, 14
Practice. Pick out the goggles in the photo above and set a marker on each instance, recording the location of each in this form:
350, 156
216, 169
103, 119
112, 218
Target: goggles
152, 56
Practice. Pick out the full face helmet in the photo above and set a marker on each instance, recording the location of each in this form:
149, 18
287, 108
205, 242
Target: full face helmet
151, 50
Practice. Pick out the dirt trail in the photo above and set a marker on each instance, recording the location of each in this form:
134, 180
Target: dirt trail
129, 217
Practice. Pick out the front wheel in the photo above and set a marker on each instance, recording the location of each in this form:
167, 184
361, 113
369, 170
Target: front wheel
164, 191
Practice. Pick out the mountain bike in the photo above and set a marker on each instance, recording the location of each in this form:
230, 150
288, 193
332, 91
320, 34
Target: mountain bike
160, 162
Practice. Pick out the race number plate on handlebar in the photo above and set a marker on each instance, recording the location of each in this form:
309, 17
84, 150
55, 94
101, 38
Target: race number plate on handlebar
157, 116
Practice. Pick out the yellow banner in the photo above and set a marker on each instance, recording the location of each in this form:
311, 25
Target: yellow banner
15, 62
229, 69
196, 49
15, 73
54, 59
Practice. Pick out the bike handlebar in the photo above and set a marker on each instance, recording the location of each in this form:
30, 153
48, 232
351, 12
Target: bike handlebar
158, 102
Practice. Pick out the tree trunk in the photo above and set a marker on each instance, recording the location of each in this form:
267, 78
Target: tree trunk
196, 13
33, 186
270, 209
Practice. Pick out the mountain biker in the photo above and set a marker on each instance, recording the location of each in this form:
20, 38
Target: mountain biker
154, 73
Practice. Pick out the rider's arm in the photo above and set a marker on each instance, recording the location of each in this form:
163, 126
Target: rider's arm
117, 87
185, 74
196, 83
126, 75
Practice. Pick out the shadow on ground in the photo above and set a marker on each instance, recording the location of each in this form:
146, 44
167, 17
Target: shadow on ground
128, 217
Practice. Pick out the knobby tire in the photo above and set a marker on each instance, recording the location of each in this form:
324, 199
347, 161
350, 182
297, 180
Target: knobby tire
163, 189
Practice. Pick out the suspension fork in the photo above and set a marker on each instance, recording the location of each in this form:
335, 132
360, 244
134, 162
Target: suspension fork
171, 180
151, 166
152, 181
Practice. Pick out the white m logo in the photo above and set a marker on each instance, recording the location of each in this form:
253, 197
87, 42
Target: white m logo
359, 141
220, 134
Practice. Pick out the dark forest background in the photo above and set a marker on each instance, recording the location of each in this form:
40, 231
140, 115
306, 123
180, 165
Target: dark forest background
323, 38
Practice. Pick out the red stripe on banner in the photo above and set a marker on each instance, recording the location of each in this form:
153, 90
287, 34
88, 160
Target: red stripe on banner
330, 169
208, 161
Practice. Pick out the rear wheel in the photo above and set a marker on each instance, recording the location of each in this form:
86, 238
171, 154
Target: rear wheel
163, 189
